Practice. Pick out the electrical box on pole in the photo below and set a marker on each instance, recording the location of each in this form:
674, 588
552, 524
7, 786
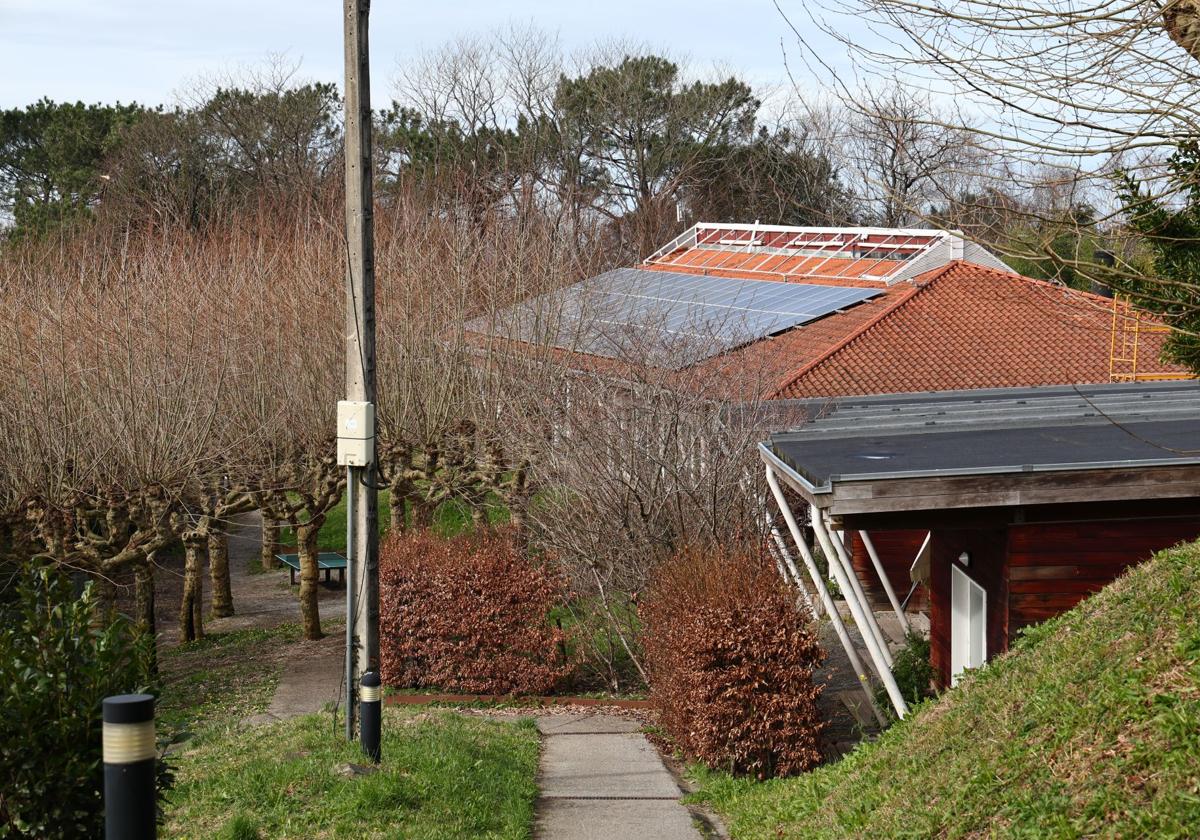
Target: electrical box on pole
356, 433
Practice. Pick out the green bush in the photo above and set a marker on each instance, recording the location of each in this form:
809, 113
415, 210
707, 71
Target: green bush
913, 670
56, 667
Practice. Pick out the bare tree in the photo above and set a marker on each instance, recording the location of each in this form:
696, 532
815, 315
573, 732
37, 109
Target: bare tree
904, 155
1090, 87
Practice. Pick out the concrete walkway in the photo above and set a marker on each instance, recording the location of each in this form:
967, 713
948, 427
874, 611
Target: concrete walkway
309, 682
600, 777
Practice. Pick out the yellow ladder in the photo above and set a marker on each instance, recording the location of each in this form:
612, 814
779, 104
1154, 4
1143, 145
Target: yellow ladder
1127, 328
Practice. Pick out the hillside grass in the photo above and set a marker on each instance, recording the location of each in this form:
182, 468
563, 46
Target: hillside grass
443, 775
220, 679
1089, 727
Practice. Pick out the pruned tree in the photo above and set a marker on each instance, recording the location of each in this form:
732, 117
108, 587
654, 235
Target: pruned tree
109, 349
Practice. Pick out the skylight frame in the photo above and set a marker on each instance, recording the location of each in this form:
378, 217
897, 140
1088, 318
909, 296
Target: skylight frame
916, 247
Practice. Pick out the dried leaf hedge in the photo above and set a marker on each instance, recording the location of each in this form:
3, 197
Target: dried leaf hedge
731, 662
468, 614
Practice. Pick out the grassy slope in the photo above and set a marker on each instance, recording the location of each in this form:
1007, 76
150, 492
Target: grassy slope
221, 678
444, 775
1090, 727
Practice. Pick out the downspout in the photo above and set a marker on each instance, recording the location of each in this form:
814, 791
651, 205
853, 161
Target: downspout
823, 593
878, 660
887, 584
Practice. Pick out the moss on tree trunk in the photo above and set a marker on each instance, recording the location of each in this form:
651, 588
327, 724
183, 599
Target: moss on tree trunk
191, 615
218, 570
143, 592
270, 543
396, 517
306, 541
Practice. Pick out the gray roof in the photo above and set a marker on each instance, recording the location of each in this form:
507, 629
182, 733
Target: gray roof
997, 431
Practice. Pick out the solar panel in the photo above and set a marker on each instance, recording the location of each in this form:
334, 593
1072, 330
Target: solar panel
664, 318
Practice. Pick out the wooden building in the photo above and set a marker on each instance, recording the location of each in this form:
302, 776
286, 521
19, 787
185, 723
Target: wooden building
1032, 498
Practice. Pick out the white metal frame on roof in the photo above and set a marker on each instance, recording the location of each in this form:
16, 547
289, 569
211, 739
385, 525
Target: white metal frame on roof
917, 250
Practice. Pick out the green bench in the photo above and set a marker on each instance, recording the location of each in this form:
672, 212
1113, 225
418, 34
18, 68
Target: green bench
328, 561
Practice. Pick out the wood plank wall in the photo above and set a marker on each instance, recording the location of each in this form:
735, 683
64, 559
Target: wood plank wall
1053, 566
897, 550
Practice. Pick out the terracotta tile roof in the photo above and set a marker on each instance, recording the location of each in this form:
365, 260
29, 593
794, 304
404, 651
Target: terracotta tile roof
967, 326
960, 326
765, 365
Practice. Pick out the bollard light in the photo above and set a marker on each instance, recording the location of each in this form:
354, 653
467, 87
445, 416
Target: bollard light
129, 767
369, 711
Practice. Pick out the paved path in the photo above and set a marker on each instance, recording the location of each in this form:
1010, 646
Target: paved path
309, 682
600, 777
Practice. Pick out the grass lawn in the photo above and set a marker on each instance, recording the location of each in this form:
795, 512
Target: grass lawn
222, 678
450, 519
444, 775
1090, 727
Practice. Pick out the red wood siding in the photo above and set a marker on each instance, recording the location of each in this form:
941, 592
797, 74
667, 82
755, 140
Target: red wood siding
1053, 566
987, 568
897, 550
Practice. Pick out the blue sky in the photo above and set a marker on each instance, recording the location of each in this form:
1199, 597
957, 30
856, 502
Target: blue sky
108, 50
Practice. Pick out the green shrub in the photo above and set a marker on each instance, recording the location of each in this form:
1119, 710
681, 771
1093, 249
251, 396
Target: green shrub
55, 669
913, 670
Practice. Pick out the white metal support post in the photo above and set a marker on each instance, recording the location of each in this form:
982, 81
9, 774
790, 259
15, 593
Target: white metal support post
789, 572
784, 562
823, 592
856, 590
363, 571
887, 584
878, 659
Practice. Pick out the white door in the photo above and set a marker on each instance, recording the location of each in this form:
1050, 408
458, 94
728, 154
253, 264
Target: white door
968, 623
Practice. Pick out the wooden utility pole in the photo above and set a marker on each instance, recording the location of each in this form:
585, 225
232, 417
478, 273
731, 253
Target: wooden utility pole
362, 625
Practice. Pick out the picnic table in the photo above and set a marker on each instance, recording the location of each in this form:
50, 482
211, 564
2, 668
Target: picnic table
327, 561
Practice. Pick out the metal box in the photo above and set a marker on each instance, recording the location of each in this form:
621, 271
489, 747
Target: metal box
355, 433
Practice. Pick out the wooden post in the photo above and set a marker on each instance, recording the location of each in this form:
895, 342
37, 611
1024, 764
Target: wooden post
363, 576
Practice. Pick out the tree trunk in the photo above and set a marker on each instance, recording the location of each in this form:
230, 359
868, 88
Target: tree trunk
105, 605
396, 517
518, 518
143, 589
306, 541
270, 543
422, 516
191, 615
218, 570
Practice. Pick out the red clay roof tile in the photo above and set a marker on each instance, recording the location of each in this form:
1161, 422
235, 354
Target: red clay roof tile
967, 326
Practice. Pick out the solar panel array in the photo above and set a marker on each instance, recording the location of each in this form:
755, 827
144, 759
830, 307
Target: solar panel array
664, 318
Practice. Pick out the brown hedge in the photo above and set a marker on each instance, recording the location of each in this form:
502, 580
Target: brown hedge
731, 660
468, 614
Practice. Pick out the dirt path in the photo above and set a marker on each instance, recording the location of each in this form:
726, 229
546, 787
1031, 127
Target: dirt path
260, 599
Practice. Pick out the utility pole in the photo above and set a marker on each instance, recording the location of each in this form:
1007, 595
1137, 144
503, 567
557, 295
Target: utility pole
362, 586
